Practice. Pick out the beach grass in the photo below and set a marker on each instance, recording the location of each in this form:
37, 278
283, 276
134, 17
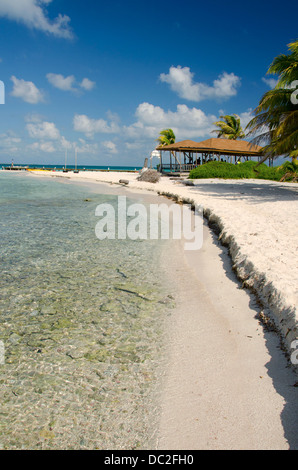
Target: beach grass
245, 170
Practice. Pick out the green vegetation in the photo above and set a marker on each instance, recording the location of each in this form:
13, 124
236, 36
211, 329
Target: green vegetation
229, 127
286, 172
276, 118
166, 137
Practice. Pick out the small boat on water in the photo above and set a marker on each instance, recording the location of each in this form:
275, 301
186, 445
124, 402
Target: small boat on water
15, 168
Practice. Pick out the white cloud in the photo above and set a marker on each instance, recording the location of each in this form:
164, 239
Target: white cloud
33, 14
87, 84
61, 82
271, 82
133, 145
225, 86
89, 126
27, 91
245, 118
69, 83
10, 142
33, 117
10, 138
63, 144
47, 147
113, 116
110, 146
43, 130
86, 148
48, 138
186, 122
181, 81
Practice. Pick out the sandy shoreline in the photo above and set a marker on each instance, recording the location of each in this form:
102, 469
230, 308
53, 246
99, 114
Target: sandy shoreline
228, 385
257, 220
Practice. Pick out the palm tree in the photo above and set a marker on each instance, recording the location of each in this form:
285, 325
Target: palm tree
229, 127
275, 124
291, 171
166, 137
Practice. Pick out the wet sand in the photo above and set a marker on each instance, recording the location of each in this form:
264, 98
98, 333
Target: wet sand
228, 384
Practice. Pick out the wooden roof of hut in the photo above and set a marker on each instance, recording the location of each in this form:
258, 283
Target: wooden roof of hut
215, 145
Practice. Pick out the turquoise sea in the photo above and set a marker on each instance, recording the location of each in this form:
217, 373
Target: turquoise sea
81, 321
79, 167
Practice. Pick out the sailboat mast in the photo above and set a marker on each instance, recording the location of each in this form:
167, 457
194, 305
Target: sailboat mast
76, 170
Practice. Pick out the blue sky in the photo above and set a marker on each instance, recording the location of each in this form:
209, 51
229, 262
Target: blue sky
104, 77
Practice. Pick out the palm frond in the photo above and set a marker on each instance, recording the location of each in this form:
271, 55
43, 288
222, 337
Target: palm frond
229, 127
166, 137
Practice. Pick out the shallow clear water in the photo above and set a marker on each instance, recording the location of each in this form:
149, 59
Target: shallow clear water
81, 322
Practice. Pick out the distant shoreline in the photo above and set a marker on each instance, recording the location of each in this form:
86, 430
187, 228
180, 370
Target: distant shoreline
61, 168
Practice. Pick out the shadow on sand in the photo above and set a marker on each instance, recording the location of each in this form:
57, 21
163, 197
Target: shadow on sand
279, 368
253, 192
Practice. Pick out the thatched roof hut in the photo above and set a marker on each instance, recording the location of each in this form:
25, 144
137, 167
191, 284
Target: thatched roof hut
222, 146
199, 152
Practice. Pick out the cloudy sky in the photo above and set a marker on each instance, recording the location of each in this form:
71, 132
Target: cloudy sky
104, 77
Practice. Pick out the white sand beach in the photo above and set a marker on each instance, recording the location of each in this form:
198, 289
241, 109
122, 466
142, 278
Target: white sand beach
228, 384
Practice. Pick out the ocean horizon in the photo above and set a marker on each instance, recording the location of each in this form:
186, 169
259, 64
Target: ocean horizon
72, 167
